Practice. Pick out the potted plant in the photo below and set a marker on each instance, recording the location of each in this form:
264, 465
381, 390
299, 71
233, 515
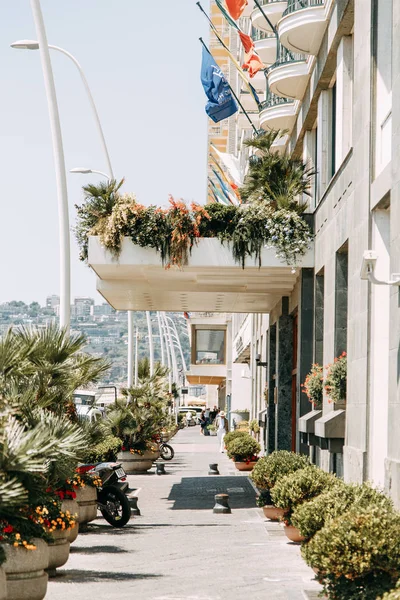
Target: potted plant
254, 427
233, 435
392, 595
313, 385
243, 451
299, 487
336, 380
357, 555
312, 516
239, 415
212, 429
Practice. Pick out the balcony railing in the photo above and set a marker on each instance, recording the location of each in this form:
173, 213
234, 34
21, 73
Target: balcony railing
265, 2
274, 100
294, 5
283, 56
258, 35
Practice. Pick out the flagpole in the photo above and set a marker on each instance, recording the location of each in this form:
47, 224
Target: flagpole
240, 71
230, 87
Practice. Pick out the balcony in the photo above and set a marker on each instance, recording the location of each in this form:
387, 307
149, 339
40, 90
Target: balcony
249, 9
278, 113
289, 75
211, 282
303, 25
244, 123
265, 45
273, 10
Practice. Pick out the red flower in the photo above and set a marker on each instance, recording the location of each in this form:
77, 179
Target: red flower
8, 529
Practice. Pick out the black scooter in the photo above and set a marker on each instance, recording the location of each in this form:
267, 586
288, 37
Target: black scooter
111, 499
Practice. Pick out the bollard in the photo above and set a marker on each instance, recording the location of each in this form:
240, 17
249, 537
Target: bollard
221, 504
133, 503
213, 469
160, 469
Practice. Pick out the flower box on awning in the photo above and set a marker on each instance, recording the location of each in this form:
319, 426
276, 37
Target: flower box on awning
212, 281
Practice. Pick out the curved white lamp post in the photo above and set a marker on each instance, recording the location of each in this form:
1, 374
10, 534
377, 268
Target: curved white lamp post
61, 178
85, 171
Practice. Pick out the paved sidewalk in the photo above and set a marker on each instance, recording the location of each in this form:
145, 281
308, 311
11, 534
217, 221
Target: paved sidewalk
179, 550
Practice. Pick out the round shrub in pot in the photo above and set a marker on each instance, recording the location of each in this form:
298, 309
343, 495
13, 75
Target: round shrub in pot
299, 487
233, 435
243, 449
311, 516
357, 555
276, 465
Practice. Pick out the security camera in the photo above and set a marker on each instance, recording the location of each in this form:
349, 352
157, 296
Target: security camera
368, 264
258, 358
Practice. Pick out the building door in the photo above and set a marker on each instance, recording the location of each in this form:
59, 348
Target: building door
294, 383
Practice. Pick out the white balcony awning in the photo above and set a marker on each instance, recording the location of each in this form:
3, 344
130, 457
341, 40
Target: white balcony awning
211, 282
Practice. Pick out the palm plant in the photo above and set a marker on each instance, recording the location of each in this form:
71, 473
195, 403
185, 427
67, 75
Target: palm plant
279, 180
99, 203
50, 363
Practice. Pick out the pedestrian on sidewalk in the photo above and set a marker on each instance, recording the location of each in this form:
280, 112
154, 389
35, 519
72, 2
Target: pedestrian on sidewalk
221, 423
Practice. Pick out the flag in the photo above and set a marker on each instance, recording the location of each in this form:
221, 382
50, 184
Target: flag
247, 42
232, 165
236, 7
220, 197
229, 185
228, 194
253, 63
221, 103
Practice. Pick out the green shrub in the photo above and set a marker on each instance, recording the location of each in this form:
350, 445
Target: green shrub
276, 465
294, 489
311, 516
232, 435
211, 427
105, 450
392, 595
264, 498
243, 426
357, 555
243, 448
254, 426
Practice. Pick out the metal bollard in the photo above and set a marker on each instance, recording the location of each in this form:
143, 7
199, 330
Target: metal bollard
133, 503
221, 504
213, 469
160, 469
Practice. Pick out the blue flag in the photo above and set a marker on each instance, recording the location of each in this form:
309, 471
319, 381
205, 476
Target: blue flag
221, 103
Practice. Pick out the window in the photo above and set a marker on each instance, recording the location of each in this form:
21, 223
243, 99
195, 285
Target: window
215, 130
332, 132
210, 346
319, 318
341, 294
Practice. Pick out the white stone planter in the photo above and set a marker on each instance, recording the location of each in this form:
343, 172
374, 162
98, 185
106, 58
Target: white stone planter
3, 584
73, 507
137, 463
25, 571
59, 550
86, 498
238, 417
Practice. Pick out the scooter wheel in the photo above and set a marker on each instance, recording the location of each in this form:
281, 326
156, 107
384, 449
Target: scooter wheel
115, 506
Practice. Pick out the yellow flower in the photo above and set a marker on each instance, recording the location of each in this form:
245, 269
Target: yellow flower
15, 544
17, 536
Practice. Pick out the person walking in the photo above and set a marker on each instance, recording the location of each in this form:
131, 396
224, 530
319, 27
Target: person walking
221, 423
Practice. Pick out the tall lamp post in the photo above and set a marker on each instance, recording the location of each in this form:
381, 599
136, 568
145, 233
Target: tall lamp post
59, 160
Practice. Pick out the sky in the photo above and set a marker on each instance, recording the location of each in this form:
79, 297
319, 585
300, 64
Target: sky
142, 61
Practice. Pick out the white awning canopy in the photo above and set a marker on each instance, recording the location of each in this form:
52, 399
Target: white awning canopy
212, 281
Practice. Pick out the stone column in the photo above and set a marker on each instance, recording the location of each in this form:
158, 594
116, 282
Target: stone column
271, 373
306, 336
284, 367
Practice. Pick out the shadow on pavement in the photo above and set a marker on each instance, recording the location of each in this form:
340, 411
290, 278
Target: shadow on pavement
97, 550
97, 529
197, 493
83, 576
155, 525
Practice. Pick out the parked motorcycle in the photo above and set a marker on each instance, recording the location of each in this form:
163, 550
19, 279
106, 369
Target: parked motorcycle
111, 496
166, 451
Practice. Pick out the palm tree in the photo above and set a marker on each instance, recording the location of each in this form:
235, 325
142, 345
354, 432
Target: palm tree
279, 180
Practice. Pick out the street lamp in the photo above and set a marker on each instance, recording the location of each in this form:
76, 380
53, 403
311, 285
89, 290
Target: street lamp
61, 177
85, 171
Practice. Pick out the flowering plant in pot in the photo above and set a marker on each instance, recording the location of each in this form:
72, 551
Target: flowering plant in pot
357, 555
292, 490
336, 379
272, 468
313, 385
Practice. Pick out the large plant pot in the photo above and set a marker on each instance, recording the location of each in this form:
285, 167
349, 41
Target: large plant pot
273, 513
3, 584
137, 463
293, 534
25, 571
59, 550
86, 498
73, 507
244, 466
239, 417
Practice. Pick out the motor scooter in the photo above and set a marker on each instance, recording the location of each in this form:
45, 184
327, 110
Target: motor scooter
111, 495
